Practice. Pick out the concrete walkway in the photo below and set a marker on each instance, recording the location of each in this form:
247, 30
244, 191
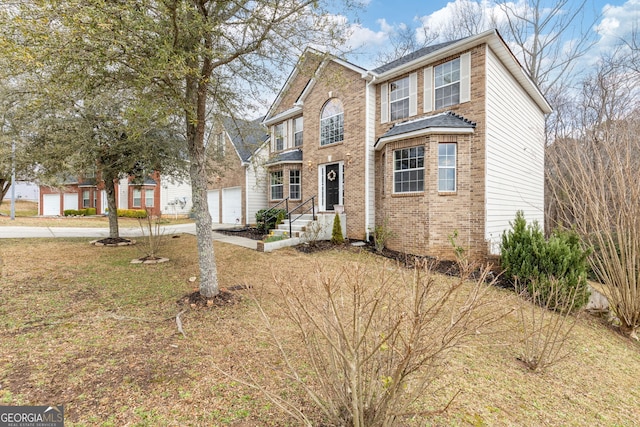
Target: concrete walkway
21, 232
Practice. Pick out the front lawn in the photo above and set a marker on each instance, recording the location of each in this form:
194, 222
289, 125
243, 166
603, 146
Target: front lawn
83, 327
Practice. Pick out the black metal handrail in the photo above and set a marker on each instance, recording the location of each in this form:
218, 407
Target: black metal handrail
312, 199
266, 218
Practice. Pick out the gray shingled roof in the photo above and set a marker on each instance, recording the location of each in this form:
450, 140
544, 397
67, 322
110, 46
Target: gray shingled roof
413, 55
246, 136
443, 120
288, 156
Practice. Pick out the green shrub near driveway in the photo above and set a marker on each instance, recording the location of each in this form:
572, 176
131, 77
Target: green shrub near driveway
132, 213
79, 212
267, 219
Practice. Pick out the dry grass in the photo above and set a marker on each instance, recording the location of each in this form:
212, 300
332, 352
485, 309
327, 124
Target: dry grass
83, 327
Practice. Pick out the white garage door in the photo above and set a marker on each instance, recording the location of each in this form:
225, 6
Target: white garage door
51, 204
232, 205
71, 201
213, 199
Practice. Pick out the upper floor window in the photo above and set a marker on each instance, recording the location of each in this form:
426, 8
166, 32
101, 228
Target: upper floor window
297, 131
399, 99
447, 167
447, 83
332, 122
408, 170
276, 185
279, 135
219, 146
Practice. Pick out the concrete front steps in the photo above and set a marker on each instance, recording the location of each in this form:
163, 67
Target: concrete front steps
302, 229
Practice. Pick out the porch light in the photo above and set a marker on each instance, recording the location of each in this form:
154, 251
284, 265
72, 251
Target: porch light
349, 159
310, 165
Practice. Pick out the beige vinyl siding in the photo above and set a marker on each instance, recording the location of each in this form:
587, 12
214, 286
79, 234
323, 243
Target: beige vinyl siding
256, 185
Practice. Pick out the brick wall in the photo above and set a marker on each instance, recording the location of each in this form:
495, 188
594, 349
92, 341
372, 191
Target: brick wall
423, 222
347, 85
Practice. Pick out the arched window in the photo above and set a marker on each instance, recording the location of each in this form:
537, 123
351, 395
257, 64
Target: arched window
332, 122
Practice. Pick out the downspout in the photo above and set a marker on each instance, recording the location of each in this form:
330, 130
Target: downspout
370, 81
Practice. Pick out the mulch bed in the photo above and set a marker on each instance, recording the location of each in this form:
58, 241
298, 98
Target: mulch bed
226, 297
248, 232
113, 241
449, 268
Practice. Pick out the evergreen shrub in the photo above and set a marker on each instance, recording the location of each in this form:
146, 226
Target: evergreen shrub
532, 260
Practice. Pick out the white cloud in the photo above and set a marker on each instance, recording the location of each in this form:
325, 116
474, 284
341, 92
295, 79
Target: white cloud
617, 23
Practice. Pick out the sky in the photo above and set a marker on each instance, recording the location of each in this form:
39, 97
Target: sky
372, 25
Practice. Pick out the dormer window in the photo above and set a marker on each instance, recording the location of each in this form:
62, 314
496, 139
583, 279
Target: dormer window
399, 99
332, 122
447, 83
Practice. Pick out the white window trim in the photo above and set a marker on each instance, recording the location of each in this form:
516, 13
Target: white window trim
423, 168
298, 184
133, 198
465, 83
147, 191
385, 98
327, 118
272, 185
321, 194
295, 132
454, 167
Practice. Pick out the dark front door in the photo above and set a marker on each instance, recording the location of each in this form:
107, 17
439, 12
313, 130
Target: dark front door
332, 185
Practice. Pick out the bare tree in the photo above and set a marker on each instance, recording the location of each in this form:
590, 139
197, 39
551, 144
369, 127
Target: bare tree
471, 17
404, 40
185, 57
550, 37
589, 180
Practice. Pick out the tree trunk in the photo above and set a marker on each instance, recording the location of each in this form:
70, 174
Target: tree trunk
196, 96
110, 188
4, 187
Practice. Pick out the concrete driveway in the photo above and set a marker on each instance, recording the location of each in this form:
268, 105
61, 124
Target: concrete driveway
21, 232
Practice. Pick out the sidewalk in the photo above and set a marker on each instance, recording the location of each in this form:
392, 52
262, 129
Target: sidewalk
21, 232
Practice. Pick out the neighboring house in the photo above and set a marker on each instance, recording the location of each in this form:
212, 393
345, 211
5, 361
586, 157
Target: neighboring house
448, 139
168, 198
25, 190
237, 181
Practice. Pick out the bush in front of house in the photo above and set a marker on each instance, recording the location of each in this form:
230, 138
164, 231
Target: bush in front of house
336, 234
132, 213
79, 212
557, 266
267, 219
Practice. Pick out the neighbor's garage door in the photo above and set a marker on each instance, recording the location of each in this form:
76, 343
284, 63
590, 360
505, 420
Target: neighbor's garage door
232, 205
71, 201
51, 204
213, 199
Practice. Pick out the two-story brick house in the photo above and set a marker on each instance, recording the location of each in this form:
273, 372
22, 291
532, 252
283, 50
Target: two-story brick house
448, 139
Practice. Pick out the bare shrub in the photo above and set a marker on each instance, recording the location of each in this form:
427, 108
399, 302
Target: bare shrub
313, 232
593, 187
373, 342
545, 322
153, 237
382, 233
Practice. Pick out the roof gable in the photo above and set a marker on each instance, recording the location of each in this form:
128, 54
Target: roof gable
246, 136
